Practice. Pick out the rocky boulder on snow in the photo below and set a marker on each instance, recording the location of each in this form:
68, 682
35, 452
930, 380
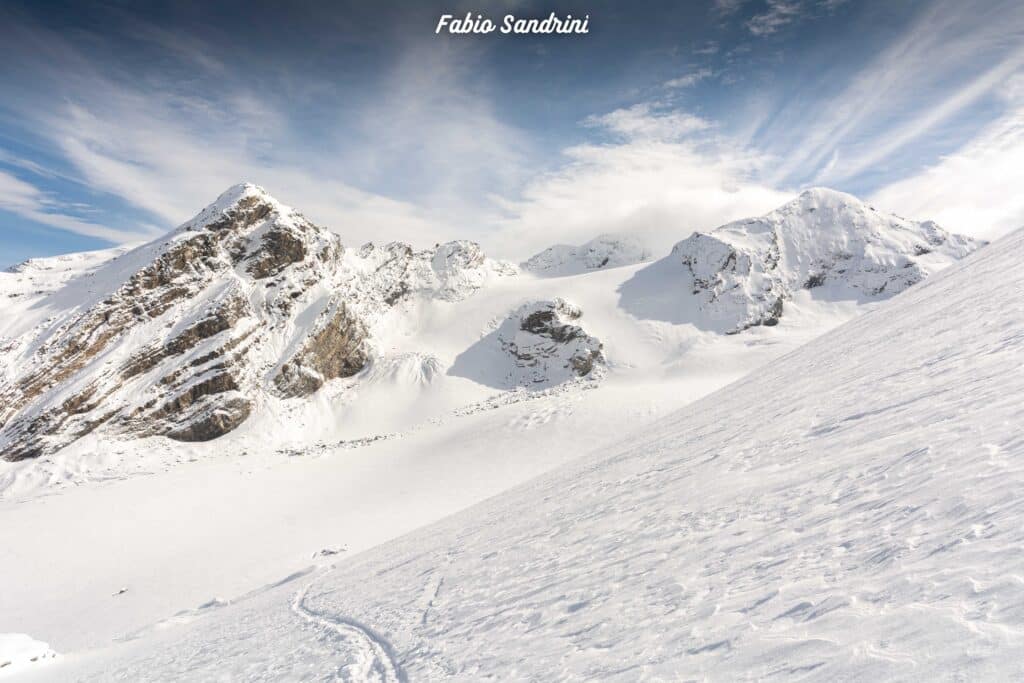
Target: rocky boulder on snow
546, 344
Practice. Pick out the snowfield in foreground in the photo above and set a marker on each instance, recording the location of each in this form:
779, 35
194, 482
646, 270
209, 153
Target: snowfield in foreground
850, 511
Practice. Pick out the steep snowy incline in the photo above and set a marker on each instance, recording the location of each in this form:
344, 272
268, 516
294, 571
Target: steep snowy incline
850, 512
37, 277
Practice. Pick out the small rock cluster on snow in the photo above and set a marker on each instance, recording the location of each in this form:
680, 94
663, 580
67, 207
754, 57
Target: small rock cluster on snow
546, 344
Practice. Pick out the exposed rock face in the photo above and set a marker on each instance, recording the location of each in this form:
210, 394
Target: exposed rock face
546, 344
742, 273
186, 336
175, 339
452, 271
604, 251
336, 349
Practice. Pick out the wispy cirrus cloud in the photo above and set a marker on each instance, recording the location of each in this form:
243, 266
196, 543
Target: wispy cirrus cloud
779, 14
898, 137
725, 8
690, 79
975, 190
431, 139
24, 199
172, 141
922, 78
649, 121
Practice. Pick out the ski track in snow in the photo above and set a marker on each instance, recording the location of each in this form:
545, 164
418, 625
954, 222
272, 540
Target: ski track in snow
373, 659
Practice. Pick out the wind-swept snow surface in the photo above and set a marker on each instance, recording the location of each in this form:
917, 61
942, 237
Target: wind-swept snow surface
849, 512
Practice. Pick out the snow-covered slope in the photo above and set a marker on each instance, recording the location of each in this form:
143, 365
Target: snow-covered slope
825, 242
604, 251
40, 276
849, 512
19, 653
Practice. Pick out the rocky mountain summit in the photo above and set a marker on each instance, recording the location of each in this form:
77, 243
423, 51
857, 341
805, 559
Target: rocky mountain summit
741, 274
185, 336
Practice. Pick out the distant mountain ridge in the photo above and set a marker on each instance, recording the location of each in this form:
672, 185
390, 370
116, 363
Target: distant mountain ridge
604, 251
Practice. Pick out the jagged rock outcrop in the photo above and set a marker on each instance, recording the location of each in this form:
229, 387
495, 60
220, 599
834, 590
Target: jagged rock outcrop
604, 251
742, 274
337, 348
546, 344
395, 272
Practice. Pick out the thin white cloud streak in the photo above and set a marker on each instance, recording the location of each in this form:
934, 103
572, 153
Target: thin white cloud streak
28, 201
779, 14
901, 81
649, 121
976, 190
724, 8
689, 80
897, 138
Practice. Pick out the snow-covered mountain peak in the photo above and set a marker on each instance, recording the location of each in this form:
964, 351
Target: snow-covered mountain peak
232, 200
392, 273
604, 251
742, 273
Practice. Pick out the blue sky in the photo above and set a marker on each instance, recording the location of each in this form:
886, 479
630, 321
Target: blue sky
118, 123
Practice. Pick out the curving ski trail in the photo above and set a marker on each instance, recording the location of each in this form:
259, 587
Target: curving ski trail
372, 653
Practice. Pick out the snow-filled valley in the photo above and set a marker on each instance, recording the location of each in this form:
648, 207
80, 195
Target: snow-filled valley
207, 435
